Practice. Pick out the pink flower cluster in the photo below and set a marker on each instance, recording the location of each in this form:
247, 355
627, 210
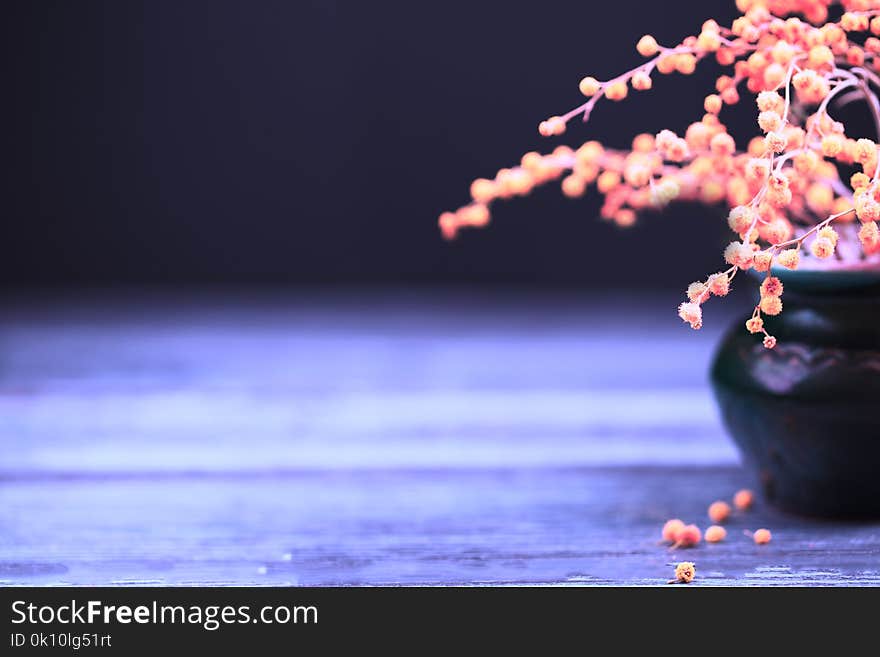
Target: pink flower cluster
783, 185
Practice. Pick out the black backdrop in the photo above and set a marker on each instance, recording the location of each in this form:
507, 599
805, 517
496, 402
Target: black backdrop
175, 142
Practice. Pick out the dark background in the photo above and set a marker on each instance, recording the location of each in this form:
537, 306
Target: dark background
291, 142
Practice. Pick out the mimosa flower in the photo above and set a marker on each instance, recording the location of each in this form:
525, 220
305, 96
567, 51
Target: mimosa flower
781, 183
715, 534
719, 511
762, 536
684, 573
692, 314
671, 529
743, 499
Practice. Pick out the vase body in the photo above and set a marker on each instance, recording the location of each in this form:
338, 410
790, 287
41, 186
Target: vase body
806, 415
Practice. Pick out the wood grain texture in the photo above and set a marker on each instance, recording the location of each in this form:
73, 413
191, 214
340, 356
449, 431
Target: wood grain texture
375, 440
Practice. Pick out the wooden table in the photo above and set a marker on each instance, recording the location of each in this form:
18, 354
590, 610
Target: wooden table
410, 438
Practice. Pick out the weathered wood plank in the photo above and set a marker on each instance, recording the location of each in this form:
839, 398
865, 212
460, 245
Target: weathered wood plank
112, 387
374, 441
443, 526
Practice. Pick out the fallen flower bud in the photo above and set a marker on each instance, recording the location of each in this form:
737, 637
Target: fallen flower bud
684, 573
762, 536
715, 534
671, 529
687, 537
743, 499
719, 511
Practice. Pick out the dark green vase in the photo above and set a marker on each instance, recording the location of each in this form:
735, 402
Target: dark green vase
806, 415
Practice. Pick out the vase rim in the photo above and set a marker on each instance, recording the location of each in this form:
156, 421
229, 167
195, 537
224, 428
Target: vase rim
828, 280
